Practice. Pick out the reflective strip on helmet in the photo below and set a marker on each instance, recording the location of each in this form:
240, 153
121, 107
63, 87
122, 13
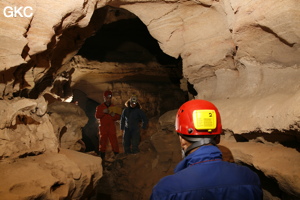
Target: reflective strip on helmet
205, 119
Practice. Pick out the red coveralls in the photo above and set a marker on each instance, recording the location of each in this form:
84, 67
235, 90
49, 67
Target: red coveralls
107, 128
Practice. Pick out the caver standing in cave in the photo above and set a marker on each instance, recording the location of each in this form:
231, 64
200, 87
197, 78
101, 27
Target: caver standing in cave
131, 118
107, 117
202, 174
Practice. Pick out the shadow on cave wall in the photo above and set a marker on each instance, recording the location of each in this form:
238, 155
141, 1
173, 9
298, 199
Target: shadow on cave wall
287, 138
90, 130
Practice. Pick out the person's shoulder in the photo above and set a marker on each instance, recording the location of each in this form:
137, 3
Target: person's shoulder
125, 110
241, 171
100, 105
139, 109
170, 182
238, 166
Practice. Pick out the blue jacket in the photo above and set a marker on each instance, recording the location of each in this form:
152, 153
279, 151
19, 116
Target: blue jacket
203, 175
132, 117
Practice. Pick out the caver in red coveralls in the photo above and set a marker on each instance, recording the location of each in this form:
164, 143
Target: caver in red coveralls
107, 128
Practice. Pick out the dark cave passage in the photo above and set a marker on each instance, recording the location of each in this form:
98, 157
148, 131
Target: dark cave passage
128, 41
125, 41
123, 38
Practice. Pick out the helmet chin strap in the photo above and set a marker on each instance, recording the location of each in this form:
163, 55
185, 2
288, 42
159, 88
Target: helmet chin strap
200, 142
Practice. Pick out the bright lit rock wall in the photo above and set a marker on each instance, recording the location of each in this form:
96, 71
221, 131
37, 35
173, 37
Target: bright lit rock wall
234, 52
243, 55
25, 129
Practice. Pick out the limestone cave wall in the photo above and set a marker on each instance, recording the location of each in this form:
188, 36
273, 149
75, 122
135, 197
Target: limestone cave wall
241, 55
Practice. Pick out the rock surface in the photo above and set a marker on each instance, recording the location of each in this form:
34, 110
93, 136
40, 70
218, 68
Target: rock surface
273, 160
241, 55
32, 161
67, 120
64, 175
25, 128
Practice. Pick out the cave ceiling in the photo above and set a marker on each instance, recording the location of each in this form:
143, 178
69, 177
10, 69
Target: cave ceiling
124, 40
122, 51
232, 52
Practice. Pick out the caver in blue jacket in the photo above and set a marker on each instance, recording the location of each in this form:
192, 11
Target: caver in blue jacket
203, 175
130, 123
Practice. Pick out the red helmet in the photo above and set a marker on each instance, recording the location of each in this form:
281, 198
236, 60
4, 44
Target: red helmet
107, 93
198, 118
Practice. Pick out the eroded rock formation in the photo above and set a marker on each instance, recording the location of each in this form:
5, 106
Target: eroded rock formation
34, 149
241, 55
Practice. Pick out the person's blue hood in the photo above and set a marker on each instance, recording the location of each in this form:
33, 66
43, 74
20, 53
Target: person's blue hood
204, 153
